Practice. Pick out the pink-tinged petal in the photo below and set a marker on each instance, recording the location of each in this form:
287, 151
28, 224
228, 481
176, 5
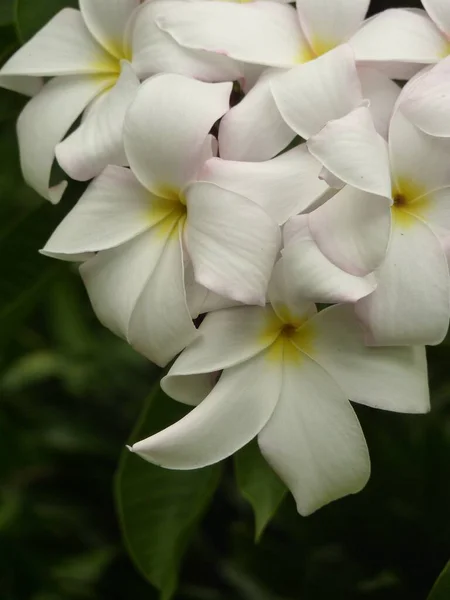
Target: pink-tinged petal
419, 162
166, 127
427, 102
115, 278
155, 51
439, 11
312, 276
262, 33
411, 303
390, 378
107, 21
161, 325
44, 122
283, 186
382, 94
352, 230
98, 141
312, 94
232, 242
352, 150
313, 439
254, 129
114, 209
328, 24
62, 47
233, 414
399, 41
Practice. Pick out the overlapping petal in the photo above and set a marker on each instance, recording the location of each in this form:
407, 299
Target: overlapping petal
439, 11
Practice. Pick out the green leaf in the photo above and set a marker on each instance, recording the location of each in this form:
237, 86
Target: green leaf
32, 15
441, 589
259, 485
160, 509
6, 12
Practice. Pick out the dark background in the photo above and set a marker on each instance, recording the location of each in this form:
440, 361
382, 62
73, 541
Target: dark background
70, 392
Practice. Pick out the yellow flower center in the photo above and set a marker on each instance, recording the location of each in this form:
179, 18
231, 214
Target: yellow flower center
292, 339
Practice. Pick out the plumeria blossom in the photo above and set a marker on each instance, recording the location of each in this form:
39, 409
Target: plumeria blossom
97, 56
411, 302
287, 374
401, 41
150, 224
277, 37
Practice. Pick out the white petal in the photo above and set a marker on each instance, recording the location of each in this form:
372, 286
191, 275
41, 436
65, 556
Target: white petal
254, 129
116, 278
62, 47
314, 277
352, 230
98, 141
166, 127
44, 122
439, 11
107, 21
114, 209
28, 86
312, 94
427, 103
411, 303
420, 163
382, 94
233, 414
283, 186
352, 150
161, 325
328, 24
263, 33
434, 209
399, 39
313, 439
232, 242
390, 378
154, 51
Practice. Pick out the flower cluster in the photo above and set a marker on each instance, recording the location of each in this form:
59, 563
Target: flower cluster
248, 161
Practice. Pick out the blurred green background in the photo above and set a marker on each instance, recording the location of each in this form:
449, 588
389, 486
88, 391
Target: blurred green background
70, 394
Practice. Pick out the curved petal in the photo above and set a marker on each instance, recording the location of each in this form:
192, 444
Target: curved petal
312, 94
434, 209
161, 325
166, 127
232, 242
411, 303
115, 278
262, 33
427, 102
314, 277
62, 47
439, 11
313, 439
328, 24
382, 94
390, 378
43, 123
189, 389
98, 141
107, 21
233, 414
283, 186
28, 86
114, 209
254, 129
352, 150
352, 230
155, 51
419, 162
398, 39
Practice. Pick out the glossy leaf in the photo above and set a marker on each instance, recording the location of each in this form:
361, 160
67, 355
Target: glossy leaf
159, 509
259, 485
441, 589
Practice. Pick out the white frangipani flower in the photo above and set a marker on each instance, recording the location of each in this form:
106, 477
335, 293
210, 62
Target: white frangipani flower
287, 375
149, 224
411, 302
